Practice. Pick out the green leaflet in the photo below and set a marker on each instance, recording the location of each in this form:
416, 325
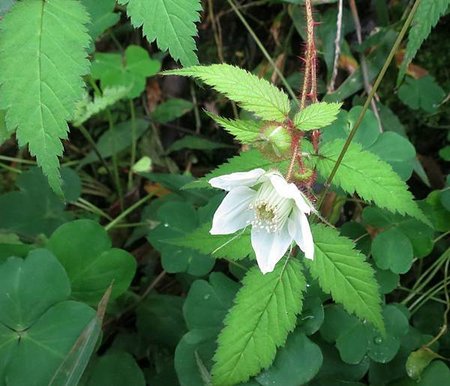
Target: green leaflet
343, 272
243, 162
245, 131
41, 67
316, 116
426, 17
370, 177
234, 247
170, 22
87, 108
252, 93
264, 312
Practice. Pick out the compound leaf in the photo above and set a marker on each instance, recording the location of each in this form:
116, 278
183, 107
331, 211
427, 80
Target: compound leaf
426, 17
265, 311
41, 81
316, 116
254, 94
343, 272
245, 131
170, 22
373, 179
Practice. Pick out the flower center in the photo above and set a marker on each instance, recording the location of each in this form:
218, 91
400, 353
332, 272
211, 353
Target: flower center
271, 210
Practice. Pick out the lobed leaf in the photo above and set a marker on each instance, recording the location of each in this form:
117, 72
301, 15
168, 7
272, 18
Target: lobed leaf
373, 179
170, 22
252, 93
316, 116
42, 81
343, 272
264, 312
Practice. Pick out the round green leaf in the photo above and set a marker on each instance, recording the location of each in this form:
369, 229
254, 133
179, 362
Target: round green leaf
38, 352
295, 364
177, 220
387, 280
392, 250
397, 151
160, 320
29, 287
84, 249
116, 368
312, 315
353, 343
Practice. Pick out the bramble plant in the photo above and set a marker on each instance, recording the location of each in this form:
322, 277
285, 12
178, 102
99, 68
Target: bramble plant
303, 259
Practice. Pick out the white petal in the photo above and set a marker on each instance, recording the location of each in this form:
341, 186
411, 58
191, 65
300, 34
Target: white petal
233, 213
270, 247
289, 190
234, 180
300, 231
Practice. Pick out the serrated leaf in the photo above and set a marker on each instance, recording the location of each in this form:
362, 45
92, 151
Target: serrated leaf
426, 17
370, 177
234, 247
87, 108
243, 162
41, 81
245, 131
343, 272
170, 22
316, 116
264, 312
252, 93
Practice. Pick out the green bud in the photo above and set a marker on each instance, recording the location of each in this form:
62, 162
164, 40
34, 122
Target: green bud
275, 140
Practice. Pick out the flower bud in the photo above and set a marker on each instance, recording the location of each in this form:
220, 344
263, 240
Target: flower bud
275, 140
302, 176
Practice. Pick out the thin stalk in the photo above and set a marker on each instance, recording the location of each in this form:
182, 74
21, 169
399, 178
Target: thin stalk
94, 208
133, 144
369, 99
114, 159
263, 50
17, 160
91, 141
127, 211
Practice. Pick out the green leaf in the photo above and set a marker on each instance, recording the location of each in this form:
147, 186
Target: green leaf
234, 247
295, 364
245, 131
38, 327
115, 368
35, 209
102, 16
87, 108
264, 312
172, 109
371, 178
426, 17
170, 22
392, 250
243, 162
164, 314
84, 249
254, 94
316, 116
49, 66
343, 272
177, 220
129, 70
424, 93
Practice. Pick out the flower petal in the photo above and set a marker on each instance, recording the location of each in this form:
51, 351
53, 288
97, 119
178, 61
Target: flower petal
234, 180
289, 190
233, 213
300, 231
269, 247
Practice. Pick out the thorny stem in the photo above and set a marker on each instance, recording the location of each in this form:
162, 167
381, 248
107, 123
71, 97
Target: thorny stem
309, 88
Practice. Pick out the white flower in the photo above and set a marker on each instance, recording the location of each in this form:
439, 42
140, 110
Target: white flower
275, 209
